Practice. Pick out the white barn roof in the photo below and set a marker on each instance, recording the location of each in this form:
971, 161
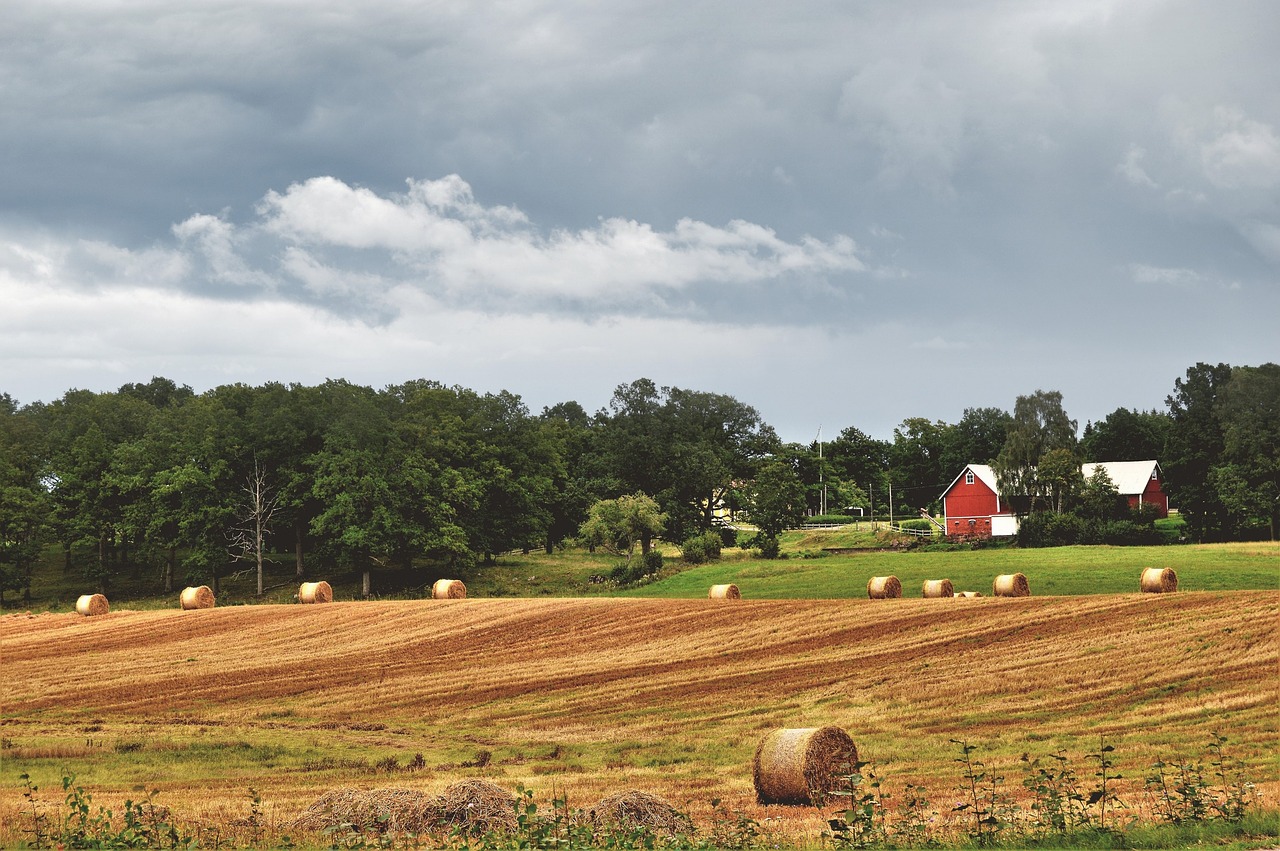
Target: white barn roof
1129, 477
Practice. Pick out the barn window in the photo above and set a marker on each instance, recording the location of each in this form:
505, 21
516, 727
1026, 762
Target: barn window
1154, 475
968, 477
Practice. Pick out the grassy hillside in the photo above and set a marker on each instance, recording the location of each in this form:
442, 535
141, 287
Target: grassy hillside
593, 696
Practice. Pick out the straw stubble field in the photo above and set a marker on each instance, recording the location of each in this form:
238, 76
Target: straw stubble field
594, 696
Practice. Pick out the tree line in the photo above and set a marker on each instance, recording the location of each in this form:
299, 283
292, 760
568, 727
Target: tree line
421, 473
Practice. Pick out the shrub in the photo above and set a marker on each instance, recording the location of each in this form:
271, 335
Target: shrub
768, 547
701, 548
728, 537
651, 562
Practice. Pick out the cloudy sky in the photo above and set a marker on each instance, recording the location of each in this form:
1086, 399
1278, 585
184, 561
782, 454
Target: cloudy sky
841, 213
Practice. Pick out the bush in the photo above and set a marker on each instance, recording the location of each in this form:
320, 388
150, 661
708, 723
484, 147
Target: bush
921, 524
728, 537
768, 547
701, 548
651, 562
1048, 529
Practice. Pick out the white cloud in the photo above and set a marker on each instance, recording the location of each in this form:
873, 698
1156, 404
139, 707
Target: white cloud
1241, 152
1143, 273
1130, 168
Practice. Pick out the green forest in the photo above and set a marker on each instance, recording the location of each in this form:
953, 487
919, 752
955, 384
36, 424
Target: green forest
346, 476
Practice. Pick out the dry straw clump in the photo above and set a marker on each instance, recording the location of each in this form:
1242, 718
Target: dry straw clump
802, 765
448, 589
477, 807
200, 597
884, 587
724, 592
1159, 580
315, 592
634, 810
92, 604
935, 589
967, 595
1011, 585
370, 809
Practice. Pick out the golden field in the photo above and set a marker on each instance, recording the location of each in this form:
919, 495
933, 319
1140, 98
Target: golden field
592, 696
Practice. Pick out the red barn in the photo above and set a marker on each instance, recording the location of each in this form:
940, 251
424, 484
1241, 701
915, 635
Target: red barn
973, 507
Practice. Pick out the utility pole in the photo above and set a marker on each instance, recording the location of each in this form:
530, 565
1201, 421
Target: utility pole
822, 500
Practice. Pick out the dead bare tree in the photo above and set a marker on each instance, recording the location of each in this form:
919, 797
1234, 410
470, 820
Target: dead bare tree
248, 539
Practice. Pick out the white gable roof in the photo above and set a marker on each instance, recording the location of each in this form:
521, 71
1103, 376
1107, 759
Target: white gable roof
1129, 477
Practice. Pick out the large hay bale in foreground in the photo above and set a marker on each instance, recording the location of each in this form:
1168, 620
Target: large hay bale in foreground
448, 589
1011, 585
724, 592
936, 589
381, 810
802, 765
315, 592
477, 807
636, 810
198, 597
92, 604
1159, 580
884, 587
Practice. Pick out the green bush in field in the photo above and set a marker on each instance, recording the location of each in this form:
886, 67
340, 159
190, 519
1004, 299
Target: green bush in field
701, 549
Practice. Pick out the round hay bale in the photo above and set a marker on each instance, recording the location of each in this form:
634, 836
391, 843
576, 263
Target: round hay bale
379, 810
1011, 585
1159, 580
315, 592
801, 765
724, 592
477, 807
92, 604
967, 595
200, 597
884, 587
448, 589
937, 588
636, 810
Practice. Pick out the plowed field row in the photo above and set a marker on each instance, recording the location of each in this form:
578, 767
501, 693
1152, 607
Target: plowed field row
600, 695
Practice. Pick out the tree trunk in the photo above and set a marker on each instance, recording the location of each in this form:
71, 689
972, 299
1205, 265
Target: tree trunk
297, 549
66, 557
365, 584
550, 545
646, 541
168, 568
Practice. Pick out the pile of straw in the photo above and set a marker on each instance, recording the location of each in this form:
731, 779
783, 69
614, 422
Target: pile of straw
968, 595
1159, 580
448, 589
197, 597
935, 589
634, 810
92, 604
884, 587
370, 809
802, 766
724, 592
315, 592
1011, 585
477, 807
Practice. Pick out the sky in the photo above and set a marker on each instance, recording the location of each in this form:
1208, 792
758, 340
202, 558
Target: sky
840, 213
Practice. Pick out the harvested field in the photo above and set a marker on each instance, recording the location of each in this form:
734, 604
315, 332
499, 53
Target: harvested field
603, 695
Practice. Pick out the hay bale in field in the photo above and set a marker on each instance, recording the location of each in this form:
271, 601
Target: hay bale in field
200, 597
315, 592
1159, 580
448, 589
92, 604
1011, 585
937, 588
477, 807
724, 592
382, 810
634, 810
801, 765
884, 587
967, 595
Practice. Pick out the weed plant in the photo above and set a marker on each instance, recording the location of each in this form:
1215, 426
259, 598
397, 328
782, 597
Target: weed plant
1203, 802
